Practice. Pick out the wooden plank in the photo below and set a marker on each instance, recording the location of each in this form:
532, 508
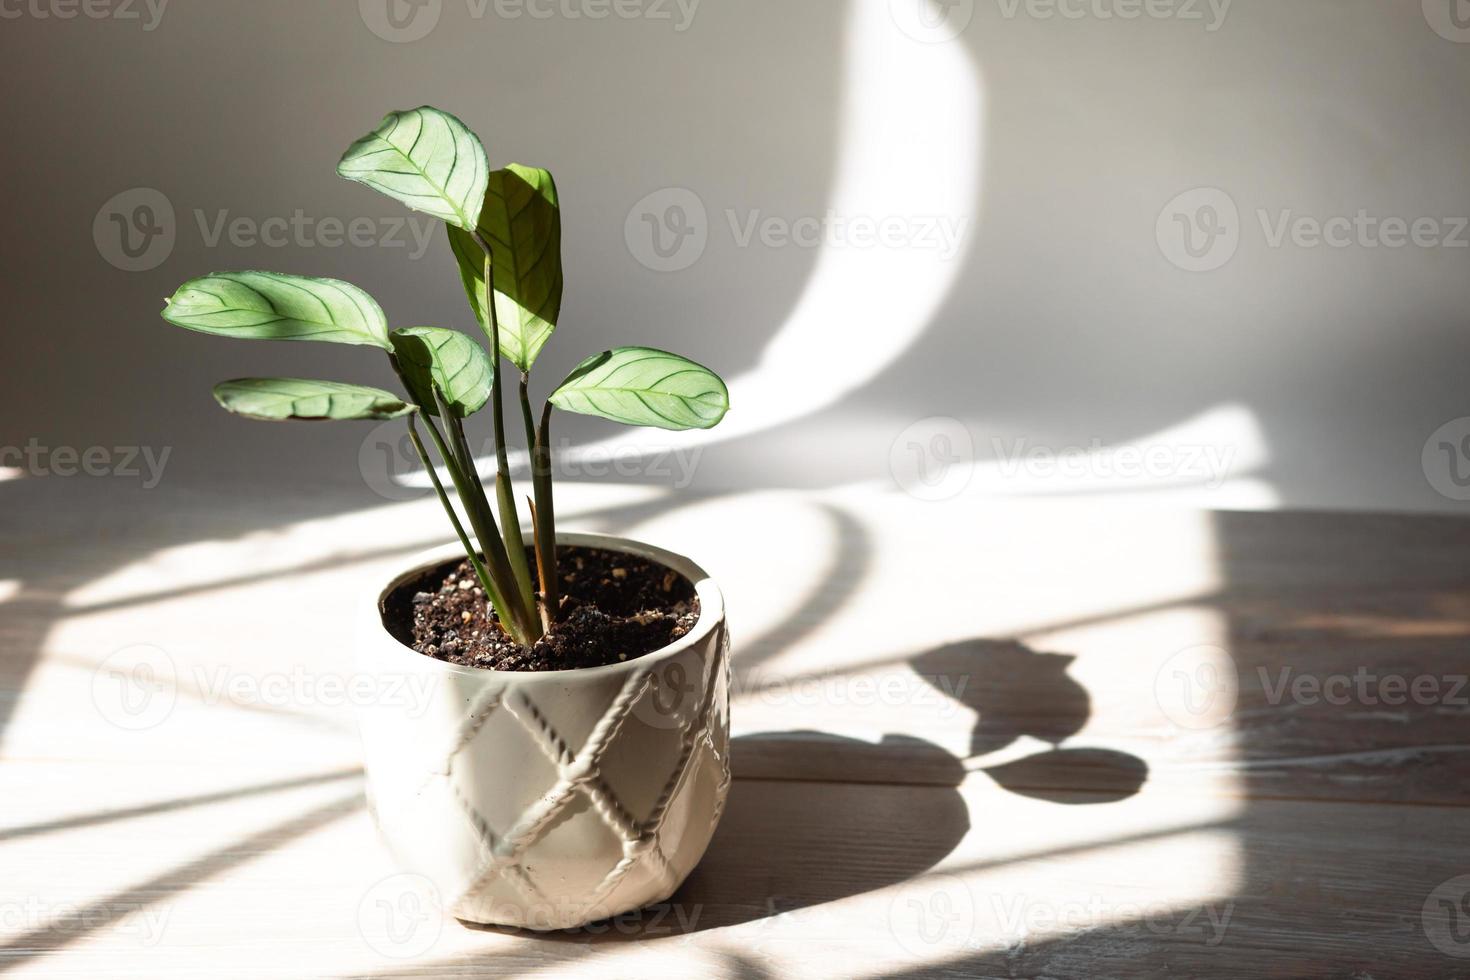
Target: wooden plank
999, 746
803, 879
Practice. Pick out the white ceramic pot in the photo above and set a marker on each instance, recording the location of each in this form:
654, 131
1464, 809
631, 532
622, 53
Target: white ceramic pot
552, 799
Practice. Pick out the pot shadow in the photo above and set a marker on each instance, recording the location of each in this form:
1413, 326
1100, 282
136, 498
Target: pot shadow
793, 844
814, 818
1016, 691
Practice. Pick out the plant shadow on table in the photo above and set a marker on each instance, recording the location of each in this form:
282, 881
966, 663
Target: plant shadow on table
1319, 832
1016, 692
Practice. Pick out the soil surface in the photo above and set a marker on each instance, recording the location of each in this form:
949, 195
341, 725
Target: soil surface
614, 607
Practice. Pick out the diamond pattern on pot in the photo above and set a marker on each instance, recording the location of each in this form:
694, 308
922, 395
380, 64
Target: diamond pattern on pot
529, 858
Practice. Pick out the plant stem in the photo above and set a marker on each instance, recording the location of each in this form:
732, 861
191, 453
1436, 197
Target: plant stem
472, 495
528, 417
543, 514
499, 582
491, 593
515, 544
522, 620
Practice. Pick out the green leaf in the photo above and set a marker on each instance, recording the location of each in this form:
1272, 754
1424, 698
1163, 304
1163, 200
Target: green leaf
521, 221
643, 386
425, 158
433, 357
279, 399
272, 306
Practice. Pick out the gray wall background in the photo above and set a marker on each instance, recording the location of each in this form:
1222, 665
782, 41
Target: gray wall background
1061, 320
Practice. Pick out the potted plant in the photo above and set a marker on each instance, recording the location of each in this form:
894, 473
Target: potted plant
572, 759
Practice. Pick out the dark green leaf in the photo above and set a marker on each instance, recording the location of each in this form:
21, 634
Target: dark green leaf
433, 357
272, 306
521, 222
278, 399
643, 386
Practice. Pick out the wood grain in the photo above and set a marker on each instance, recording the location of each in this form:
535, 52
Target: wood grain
1001, 785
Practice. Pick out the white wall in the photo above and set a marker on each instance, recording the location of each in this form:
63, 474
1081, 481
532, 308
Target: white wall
1313, 374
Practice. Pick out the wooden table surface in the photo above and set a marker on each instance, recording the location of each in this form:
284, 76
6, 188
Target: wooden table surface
973, 738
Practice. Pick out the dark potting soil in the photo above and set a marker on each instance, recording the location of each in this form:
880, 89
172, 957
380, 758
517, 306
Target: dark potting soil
614, 607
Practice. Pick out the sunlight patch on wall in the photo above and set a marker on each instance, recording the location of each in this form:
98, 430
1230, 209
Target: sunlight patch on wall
1211, 460
910, 160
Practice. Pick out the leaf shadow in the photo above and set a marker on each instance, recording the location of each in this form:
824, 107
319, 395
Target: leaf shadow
1018, 692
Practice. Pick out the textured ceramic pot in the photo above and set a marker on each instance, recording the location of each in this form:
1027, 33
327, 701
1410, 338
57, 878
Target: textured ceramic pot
549, 800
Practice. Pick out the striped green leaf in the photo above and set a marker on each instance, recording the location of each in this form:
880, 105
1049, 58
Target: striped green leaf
279, 399
521, 221
272, 306
426, 159
643, 386
433, 357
